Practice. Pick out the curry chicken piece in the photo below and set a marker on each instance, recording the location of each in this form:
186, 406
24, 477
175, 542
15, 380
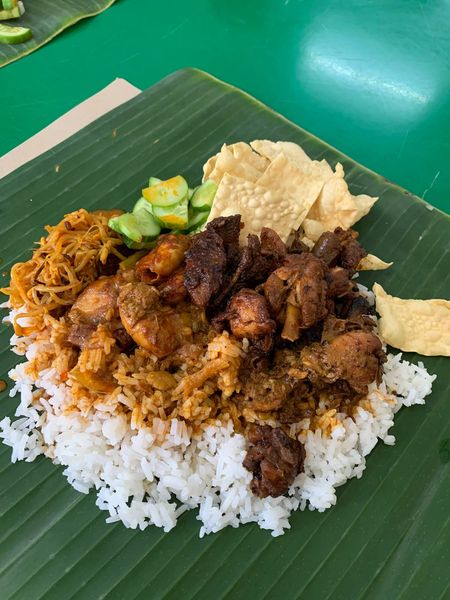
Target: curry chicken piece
158, 329
172, 290
96, 305
164, 259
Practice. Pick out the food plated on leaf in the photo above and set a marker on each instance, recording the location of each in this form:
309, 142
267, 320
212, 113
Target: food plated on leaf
211, 348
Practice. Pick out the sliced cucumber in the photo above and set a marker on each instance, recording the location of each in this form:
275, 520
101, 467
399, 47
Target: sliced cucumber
147, 224
127, 226
203, 196
9, 4
191, 192
154, 181
196, 220
143, 204
173, 217
14, 13
167, 193
145, 244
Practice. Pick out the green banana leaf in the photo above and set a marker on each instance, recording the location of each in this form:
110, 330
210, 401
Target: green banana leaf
47, 18
386, 538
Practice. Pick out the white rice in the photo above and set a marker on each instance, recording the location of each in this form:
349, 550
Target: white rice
141, 479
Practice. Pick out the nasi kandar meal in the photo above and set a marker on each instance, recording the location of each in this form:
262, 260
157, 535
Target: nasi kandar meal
211, 348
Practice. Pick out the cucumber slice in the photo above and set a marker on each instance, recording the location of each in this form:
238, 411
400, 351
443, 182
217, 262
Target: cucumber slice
14, 35
126, 225
143, 204
173, 217
147, 224
13, 13
9, 4
154, 181
197, 219
145, 244
203, 197
167, 193
191, 192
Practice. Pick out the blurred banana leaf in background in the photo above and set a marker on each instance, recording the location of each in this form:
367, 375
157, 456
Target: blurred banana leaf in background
47, 18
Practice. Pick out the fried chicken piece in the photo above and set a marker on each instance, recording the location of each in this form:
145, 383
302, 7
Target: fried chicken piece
340, 247
359, 307
265, 391
297, 246
258, 258
274, 459
247, 315
275, 293
206, 261
278, 284
334, 327
164, 259
327, 248
228, 229
307, 299
352, 305
351, 250
355, 357
339, 283
272, 246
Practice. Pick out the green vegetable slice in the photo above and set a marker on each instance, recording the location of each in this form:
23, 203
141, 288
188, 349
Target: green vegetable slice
146, 223
14, 35
143, 204
126, 225
154, 181
167, 192
173, 217
9, 4
12, 13
203, 196
145, 244
196, 220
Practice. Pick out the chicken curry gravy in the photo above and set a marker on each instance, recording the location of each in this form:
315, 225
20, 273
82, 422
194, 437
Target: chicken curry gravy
308, 331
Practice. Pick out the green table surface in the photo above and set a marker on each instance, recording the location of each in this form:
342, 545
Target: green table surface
371, 78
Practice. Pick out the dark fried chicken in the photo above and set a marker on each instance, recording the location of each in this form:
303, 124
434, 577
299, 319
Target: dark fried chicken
247, 315
274, 459
355, 357
206, 261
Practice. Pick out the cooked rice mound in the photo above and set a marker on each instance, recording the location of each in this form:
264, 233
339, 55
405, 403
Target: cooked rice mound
166, 468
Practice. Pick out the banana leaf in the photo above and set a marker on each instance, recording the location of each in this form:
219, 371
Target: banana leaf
47, 18
387, 537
